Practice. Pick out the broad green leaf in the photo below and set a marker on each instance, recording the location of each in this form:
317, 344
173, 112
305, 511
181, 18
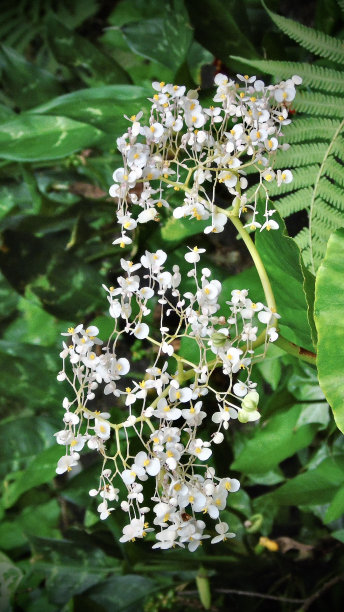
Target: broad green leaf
27, 84
197, 58
336, 508
40, 138
71, 566
278, 439
6, 113
218, 30
175, 230
303, 383
10, 577
33, 325
329, 320
103, 107
21, 440
309, 289
282, 260
163, 39
316, 486
339, 535
70, 288
92, 65
41, 518
130, 592
11, 535
23, 386
41, 470
8, 298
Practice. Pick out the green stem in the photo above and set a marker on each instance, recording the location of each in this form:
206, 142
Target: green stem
295, 350
264, 279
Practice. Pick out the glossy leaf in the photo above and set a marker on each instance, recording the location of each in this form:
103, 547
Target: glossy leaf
27, 84
38, 138
103, 107
282, 260
316, 486
329, 320
92, 65
41, 470
280, 438
10, 577
163, 39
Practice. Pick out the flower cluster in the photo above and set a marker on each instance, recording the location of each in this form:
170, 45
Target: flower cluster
166, 410
191, 148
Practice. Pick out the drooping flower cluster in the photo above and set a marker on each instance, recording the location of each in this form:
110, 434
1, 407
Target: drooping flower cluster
190, 148
165, 410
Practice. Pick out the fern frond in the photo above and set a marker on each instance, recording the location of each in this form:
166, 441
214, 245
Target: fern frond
338, 148
314, 213
300, 155
294, 202
335, 171
302, 240
332, 194
327, 216
310, 129
313, 40
313, 76
319, 104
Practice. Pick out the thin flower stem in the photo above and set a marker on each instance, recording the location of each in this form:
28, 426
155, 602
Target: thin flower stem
264, 279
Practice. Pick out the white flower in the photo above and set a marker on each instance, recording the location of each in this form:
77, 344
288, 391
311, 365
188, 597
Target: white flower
141, 331
180, 395
200, 449
165, 411
67, 462
135, 529
194, 255
272, 333
224, 534
150, 465
284, 176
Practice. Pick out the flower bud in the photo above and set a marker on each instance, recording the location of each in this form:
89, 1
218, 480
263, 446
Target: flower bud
250, 401
218, 339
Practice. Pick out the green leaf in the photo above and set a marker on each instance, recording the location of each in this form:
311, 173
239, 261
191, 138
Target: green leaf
280, 438
8, 299
10, 577
336, 508
130, 591
197, 58
316, 486
329, 320
27, 84
163, 39
71, 566
40, 138
309, 289
103, 107
282, 260
175, 230
70, 289
91, 64
21, 440
218, 30
41, 470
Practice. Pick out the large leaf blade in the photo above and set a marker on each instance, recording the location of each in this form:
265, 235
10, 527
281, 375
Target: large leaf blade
329, 320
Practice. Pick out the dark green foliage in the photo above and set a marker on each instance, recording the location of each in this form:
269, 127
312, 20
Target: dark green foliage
69, 72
